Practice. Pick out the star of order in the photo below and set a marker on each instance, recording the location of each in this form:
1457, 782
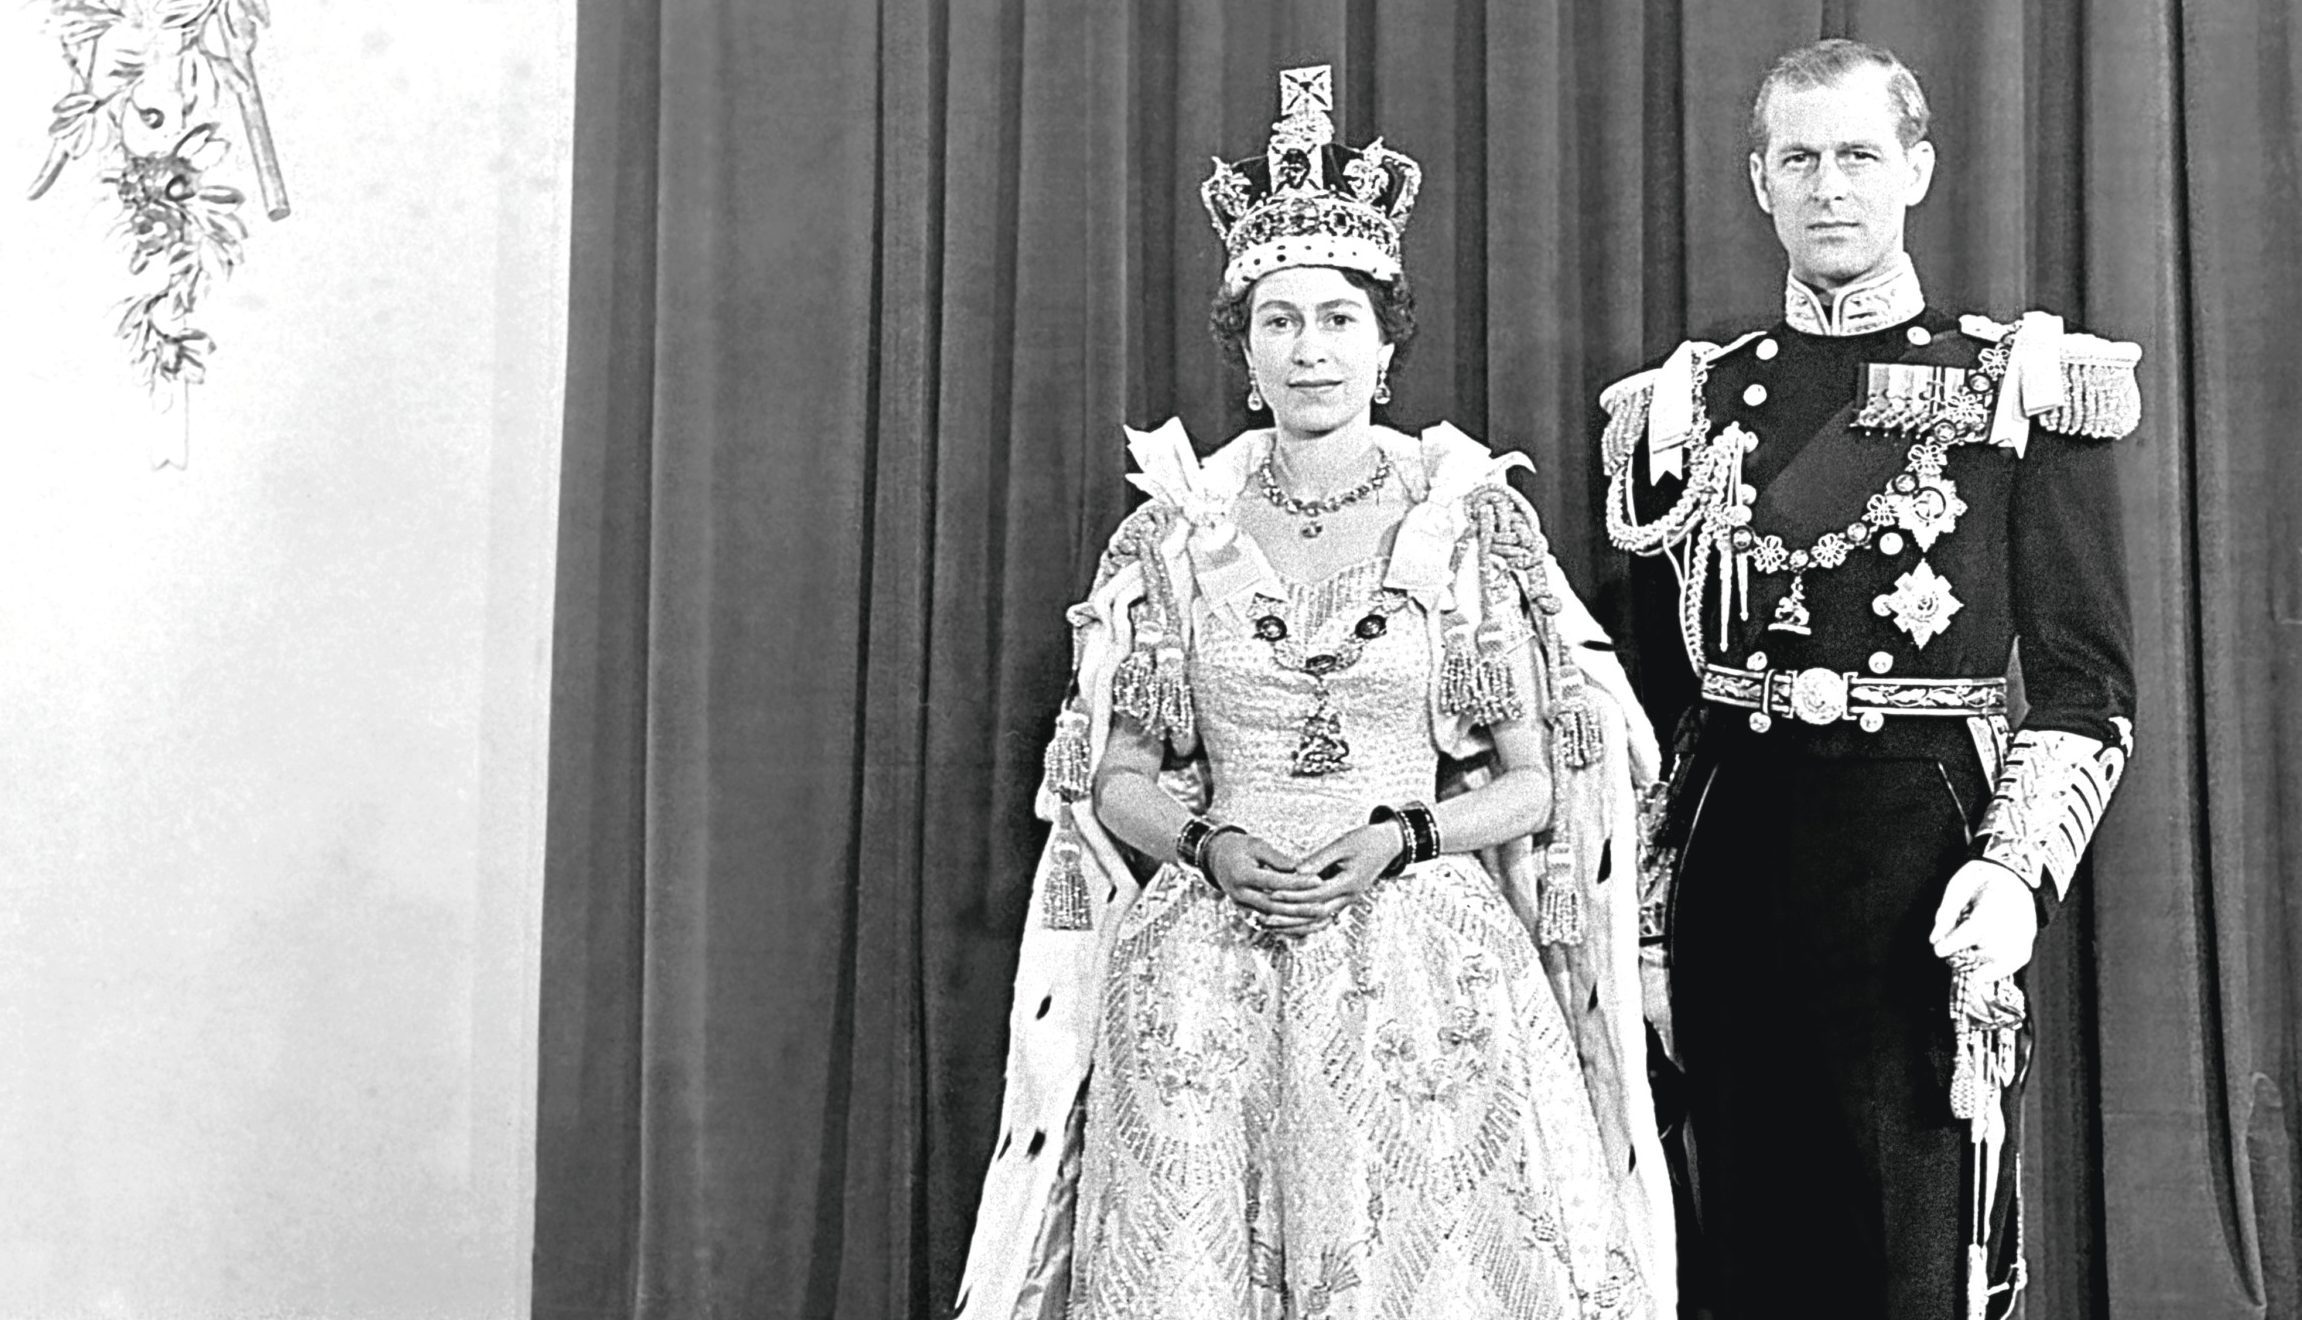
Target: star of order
1920, 604
1931, 511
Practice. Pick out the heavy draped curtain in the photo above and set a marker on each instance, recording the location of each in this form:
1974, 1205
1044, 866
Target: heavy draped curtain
861, 296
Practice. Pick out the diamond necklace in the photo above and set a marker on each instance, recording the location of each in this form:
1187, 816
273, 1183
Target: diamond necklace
1314, 510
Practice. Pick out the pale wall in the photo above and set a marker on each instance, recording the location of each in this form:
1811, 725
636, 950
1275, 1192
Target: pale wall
272, 729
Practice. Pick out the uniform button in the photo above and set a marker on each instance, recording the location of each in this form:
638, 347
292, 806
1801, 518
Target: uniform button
1880, 662
1872, 721
1767, 348
1760, 721
1890, 544
1746, 493
1756, 662
1755, 395
1749, 442
1919, 336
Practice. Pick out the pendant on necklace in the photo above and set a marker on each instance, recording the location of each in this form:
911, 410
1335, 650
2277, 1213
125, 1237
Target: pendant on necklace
1311, 529
1790, 613
1321, 749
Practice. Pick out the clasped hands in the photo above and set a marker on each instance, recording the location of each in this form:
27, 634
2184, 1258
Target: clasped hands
1297, 895
1986, 923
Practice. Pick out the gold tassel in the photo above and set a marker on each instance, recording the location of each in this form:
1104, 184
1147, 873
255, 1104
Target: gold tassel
1171, 692
1576, 726
1559, 908
1065, 904
1496, 691
1965, 1086
1578, 735
1134, 691
1069, 773
1538, 586
1458, 676
1152, 686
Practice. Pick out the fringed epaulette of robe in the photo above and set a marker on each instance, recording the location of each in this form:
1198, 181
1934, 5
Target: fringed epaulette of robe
1153, 683
1149, 684
2072, 384
1518, 607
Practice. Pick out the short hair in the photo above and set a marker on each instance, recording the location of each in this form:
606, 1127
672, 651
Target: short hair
1826, 64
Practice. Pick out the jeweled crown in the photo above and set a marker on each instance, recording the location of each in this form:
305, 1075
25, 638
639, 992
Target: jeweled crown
1308, 200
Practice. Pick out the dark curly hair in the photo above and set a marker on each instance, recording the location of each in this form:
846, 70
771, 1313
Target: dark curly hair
1393, 300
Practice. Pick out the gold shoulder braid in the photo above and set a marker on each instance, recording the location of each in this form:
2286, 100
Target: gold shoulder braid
1515, 553
1683, 533
1124, 546
1153, 684
1140, 689
1515, 582
1475, 675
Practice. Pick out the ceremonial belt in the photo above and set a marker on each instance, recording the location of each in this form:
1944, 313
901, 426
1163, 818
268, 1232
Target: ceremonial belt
1826, 696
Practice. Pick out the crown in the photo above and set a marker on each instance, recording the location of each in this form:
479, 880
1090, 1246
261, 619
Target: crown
1307, 200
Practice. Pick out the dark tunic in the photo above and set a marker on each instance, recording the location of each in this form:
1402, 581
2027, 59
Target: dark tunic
1812, 1016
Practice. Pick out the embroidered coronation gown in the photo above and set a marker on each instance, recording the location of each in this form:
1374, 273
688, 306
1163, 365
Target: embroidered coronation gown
1384, 1118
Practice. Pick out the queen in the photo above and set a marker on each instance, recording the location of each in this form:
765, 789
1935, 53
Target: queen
1330, 1001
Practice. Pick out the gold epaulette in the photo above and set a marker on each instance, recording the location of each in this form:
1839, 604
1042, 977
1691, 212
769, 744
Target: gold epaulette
1626, 403
2101, 398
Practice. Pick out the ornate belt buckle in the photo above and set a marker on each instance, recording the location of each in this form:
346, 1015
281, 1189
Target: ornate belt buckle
1818, 696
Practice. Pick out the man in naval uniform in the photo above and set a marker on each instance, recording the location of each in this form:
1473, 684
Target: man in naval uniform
1849, 520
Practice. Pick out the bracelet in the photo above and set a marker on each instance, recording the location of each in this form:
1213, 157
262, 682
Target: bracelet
1406, 840
1193, 840
1418, 834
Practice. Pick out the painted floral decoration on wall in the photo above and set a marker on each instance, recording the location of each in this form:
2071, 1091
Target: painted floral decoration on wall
152, 82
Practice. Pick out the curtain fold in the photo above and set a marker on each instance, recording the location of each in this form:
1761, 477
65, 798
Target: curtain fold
861, 295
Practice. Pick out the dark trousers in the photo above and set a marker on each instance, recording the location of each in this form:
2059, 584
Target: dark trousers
1813, 1020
